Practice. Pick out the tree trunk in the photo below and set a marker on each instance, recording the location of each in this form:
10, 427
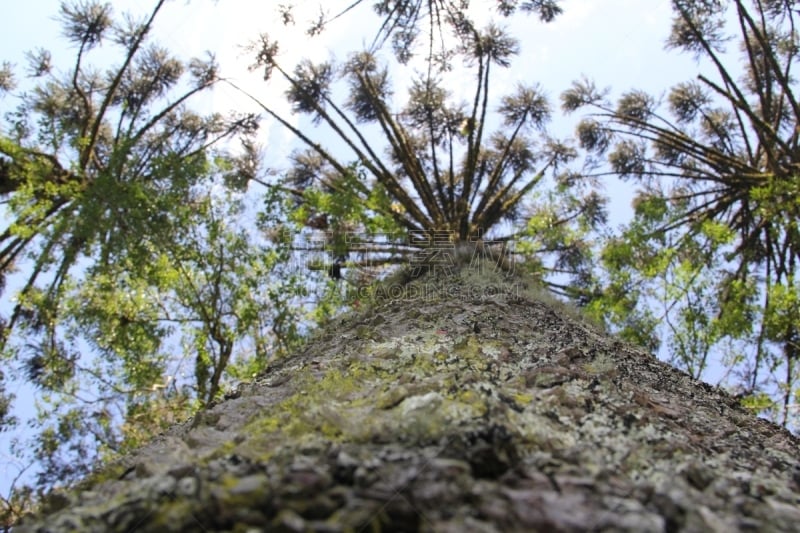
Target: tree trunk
461, 402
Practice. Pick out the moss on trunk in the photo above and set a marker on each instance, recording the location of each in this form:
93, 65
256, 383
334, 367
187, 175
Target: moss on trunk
460, 401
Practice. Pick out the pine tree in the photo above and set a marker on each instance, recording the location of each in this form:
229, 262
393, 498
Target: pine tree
433, 172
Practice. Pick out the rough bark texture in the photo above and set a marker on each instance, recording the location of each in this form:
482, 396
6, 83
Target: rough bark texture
469, 404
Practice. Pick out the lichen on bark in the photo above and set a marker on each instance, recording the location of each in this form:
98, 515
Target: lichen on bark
459, 401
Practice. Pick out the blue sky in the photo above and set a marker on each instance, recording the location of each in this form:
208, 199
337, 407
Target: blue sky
617, 43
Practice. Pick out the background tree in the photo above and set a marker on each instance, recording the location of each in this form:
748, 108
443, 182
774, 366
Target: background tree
715, 239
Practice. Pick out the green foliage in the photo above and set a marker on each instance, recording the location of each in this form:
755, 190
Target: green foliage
782, 312
759, 403
162, 328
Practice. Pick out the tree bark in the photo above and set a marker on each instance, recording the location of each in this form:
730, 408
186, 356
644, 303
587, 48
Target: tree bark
461, 402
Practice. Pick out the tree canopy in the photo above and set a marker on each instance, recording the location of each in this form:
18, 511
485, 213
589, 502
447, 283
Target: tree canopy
431, 168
